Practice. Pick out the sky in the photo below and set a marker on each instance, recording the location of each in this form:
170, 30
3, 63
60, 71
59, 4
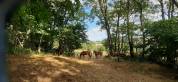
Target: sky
94, 31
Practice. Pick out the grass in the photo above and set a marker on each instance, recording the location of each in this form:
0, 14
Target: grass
48, 68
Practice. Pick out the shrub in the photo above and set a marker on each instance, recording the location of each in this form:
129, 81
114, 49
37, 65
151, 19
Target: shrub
19, 51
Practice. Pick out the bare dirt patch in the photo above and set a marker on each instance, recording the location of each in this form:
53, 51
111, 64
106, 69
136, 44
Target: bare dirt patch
64, 69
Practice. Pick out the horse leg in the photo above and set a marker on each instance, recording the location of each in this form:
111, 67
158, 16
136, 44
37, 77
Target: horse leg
118, 59
89, 56
80, 56
101, 55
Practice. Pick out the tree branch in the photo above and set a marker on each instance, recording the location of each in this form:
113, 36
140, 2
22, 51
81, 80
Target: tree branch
175, 3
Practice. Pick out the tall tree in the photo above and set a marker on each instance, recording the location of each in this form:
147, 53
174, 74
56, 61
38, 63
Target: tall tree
162, 9
130, 38
103, 7
175, 3
170, 9
36, 25
64, 14
141, 6
118, 12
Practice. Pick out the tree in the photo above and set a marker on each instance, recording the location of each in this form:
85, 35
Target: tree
101, 11
130, 38
118, 12
71, 38
175, 3
170, 9
103, 7
141, 6
36, 25
163, 38
62, 20
162, 8
25, 25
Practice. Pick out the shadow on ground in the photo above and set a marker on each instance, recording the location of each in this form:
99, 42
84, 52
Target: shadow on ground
65, 69
46, 69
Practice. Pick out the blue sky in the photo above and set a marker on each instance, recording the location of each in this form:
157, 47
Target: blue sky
94, 31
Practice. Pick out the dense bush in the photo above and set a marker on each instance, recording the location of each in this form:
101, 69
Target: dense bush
19, 51
38, 24
163, 41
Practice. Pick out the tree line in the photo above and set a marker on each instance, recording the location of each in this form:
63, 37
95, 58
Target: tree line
37, 24
130, 27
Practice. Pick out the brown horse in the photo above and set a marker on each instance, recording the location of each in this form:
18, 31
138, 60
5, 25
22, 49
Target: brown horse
83, 53
98, 53
117, 54
57, 51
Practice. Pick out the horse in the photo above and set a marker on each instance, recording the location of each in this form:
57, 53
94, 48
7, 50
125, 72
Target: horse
117, 55
97, 53
57, 51
83, 53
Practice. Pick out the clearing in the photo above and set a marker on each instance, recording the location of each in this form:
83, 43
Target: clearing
66, 69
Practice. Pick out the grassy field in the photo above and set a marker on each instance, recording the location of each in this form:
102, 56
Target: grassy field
67, 69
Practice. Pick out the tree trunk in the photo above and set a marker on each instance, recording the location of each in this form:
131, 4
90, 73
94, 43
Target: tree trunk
115, 41
162, 9
128, 30
122, 43
108, 30
39, 46
136, 51
131, 46
175, 3
109, 40
169, 9
131, 49
144, 44
171, 51
104, 11
142, 29
172, 10
118, 34
3, 51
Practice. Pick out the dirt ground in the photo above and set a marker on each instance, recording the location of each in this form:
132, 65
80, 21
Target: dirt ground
65, 69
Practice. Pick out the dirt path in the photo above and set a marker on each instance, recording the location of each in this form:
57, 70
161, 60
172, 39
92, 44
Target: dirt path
63, 69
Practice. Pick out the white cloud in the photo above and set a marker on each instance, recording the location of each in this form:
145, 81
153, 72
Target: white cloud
96, 34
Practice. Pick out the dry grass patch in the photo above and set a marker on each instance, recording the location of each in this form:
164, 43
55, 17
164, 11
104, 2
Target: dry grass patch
66, 69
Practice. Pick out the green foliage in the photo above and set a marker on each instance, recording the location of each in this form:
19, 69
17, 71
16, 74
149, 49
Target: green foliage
69, 53
19, 51
71, 37
41, 25
87, 46
100, 48
163, 39
97, 46
37, 24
